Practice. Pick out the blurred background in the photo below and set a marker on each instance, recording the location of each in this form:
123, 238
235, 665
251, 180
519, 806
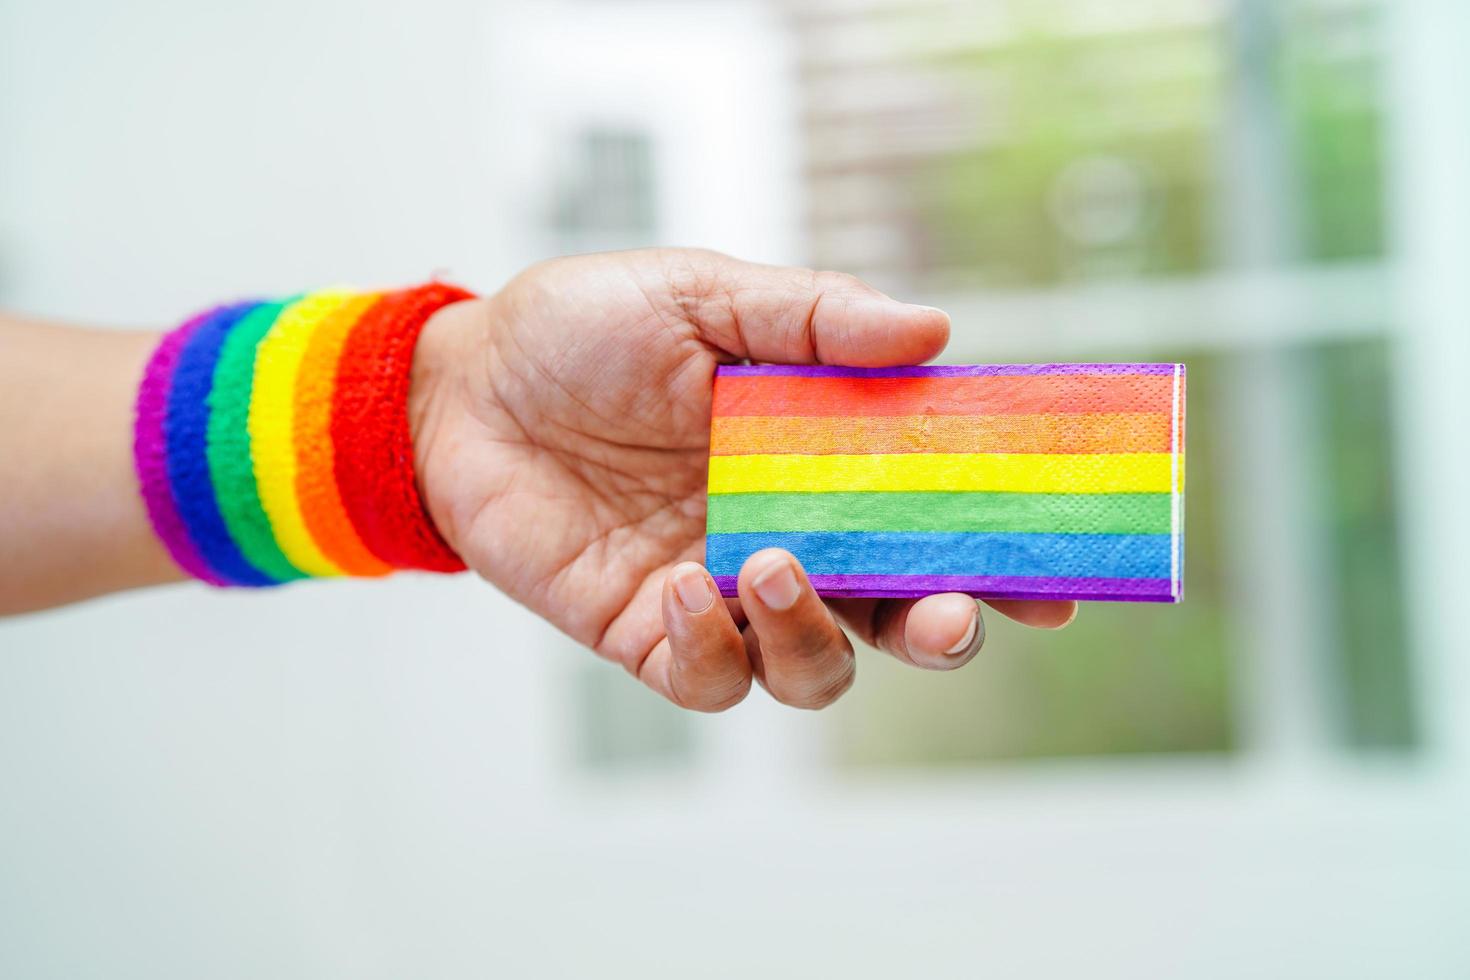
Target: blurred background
418, 778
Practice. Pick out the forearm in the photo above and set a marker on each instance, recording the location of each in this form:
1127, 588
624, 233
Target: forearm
72, 523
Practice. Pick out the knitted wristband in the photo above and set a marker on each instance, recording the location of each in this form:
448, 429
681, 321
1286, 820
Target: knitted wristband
272, 440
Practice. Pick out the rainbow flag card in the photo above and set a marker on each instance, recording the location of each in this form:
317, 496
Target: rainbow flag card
1034, 481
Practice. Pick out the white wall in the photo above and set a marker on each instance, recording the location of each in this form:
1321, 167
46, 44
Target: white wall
161, 155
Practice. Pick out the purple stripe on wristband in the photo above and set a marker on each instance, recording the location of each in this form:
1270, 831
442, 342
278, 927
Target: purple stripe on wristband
937, 370
150, 452
985, 586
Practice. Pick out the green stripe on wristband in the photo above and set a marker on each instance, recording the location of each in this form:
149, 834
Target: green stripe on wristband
230, 466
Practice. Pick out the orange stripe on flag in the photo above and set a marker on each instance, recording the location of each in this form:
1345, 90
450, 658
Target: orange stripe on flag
1112, 432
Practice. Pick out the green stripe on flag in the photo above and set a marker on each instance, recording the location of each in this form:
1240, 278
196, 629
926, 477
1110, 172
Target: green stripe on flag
1053, 513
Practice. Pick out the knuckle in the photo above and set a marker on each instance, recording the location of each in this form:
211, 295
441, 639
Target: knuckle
716, 699
818, 691
888, 630
812, 637
628, 651
695, 274
840, 282
629, 657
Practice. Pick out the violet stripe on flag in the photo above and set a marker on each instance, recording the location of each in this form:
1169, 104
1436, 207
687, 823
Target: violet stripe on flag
993, 587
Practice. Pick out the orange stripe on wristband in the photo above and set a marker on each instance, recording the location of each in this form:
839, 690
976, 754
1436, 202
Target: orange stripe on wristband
322, 509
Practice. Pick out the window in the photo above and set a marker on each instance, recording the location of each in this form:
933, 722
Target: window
1354, 500
605, 197
1084, 166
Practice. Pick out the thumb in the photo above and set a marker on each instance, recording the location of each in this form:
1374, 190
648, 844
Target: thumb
797, 316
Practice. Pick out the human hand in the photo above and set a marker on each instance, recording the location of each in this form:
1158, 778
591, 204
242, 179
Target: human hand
561, 434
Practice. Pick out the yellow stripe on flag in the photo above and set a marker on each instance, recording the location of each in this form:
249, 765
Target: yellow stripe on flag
954, 472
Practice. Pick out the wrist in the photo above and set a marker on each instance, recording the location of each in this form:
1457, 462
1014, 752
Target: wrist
438, 398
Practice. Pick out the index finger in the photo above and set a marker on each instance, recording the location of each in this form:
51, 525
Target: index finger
797, 649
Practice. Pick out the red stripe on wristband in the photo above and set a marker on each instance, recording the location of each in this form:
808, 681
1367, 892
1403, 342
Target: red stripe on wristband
370, 431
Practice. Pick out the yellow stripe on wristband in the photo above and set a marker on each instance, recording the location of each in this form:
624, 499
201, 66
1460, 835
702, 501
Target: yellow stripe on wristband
272, 407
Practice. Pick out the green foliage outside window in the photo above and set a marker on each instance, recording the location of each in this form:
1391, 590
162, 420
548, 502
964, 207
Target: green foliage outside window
1096, 152
1332, 87
1093, 157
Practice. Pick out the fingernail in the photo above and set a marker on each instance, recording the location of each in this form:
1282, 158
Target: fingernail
777, 587
968, 640
692, 587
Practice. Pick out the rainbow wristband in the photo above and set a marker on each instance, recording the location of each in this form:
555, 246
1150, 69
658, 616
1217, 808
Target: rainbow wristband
272, 439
